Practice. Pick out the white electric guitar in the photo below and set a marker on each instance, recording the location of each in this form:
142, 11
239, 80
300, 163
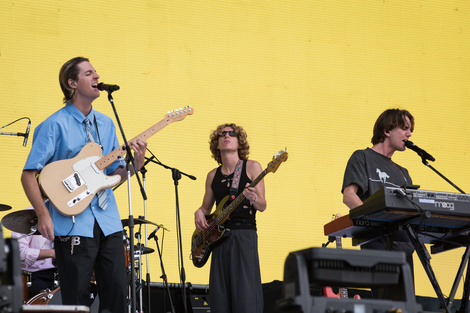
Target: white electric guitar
71, 184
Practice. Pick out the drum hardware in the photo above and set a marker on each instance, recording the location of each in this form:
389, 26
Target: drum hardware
26, 276
136, 260
141, 249
44, 297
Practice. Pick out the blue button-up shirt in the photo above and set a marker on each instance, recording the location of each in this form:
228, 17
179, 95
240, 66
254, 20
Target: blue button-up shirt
62, 136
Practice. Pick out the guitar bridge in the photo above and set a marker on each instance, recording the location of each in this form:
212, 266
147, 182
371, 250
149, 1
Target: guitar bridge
73, 182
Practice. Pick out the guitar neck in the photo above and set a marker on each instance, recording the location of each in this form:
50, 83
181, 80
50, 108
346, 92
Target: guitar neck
108, 159
226, 212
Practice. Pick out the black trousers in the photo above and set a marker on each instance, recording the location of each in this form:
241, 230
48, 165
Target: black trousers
77, 258
235, 278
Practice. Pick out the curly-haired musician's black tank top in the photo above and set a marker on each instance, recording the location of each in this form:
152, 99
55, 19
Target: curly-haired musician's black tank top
244, 216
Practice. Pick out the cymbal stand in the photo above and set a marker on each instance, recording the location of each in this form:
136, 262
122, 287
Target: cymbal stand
138, 267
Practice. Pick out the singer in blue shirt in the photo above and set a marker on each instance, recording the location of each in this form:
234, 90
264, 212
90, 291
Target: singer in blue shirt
92, 240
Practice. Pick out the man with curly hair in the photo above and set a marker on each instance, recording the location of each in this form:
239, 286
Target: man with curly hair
235, 279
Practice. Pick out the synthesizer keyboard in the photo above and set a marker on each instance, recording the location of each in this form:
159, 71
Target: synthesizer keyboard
412, 201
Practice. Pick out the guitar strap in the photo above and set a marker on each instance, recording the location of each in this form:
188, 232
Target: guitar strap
236, 180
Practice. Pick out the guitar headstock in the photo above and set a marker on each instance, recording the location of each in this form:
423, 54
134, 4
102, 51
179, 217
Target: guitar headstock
178, 114
278, 158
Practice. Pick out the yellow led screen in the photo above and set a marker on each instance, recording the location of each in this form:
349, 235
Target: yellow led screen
310, 76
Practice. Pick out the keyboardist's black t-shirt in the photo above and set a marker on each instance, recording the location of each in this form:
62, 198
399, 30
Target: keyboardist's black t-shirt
371, 171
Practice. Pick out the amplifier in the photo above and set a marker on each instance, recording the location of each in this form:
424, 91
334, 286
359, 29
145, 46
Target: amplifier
346, 268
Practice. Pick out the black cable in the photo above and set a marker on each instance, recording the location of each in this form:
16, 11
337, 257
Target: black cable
22, 118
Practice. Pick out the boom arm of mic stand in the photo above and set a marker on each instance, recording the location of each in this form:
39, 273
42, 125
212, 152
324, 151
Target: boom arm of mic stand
425, 162
168, 167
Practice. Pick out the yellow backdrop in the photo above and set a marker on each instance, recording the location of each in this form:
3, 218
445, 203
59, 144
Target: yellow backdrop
309, 75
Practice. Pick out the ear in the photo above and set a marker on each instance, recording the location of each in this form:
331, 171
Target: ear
72, 83
387, 133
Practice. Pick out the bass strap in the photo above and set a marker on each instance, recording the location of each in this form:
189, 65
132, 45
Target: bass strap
236, 180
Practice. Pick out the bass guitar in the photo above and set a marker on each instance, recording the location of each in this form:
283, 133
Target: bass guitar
203, 242
71, 184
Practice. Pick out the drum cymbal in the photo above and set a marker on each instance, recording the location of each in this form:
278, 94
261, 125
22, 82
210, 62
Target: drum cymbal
141, 249
23, 222
4, 207
137, 221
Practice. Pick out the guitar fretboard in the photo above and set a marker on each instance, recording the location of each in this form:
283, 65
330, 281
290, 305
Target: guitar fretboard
108, 159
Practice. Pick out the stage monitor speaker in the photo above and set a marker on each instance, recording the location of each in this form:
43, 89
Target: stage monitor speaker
11, 282
56, 308
345, 268
199, 303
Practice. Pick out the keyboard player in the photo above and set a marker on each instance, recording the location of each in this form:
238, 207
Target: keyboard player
370, 169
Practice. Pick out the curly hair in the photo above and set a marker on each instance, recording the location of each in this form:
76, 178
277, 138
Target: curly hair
68, 71
389, 120
243, 146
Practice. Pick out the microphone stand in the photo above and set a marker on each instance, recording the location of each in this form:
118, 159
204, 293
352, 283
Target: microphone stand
17, 134
176, 175
143, 170
131, 217
463, 263
165, 280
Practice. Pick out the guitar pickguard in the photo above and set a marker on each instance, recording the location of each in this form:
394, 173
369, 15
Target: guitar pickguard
88, 174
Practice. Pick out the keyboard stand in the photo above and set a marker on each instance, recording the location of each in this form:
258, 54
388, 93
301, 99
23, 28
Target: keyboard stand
424, 258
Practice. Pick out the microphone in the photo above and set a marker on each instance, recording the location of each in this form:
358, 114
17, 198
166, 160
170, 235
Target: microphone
419, 151
152, 234
108, 88
26, 134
